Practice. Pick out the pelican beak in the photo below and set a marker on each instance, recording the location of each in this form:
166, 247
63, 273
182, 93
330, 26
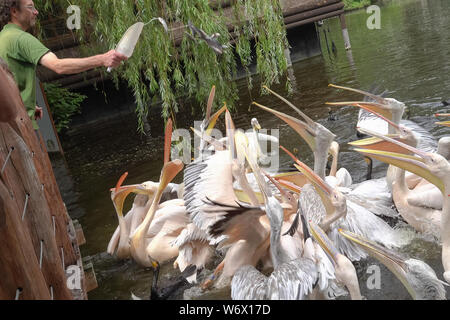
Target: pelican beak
324, 242
305, 130
213, 119
241, 144
412, 163
230, 129
284, 194
214, 142
289, 185
168, 173
168, 140
442, 115
393, 261
297, 179
444, 123
209, 121
324, 190
120, 193
210, 102
381, 106
376, 142
266, 193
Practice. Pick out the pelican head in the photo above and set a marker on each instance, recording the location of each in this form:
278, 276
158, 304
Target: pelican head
312, 132
316, 136
417, 277
334, 201
388, 107
444, 147
345, 272
430, 166
376, 142
334, 149
255, 124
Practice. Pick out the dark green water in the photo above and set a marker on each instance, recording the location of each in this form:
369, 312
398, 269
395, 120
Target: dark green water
409, 57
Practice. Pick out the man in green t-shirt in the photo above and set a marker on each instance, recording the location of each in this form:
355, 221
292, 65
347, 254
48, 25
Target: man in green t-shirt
22, 52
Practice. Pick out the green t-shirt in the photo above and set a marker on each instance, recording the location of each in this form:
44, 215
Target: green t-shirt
22, 53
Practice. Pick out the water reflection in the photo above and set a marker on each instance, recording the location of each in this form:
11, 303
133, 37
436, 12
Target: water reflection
409, 57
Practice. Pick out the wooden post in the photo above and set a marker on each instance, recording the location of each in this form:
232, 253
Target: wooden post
347, 44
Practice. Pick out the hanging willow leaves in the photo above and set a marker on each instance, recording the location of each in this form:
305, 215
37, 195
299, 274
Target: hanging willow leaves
162, 67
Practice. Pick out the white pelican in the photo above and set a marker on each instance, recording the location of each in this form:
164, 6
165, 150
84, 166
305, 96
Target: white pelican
341, 177
290, 279
418, 206
329, 208
140, 249
417, 277
432, 167
317, 137
389, 108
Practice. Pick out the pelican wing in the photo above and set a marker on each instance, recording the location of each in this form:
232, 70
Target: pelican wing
239, 222
374, 195
292, 281
361, 221
168, 220
311, 204
211, 178
248, 284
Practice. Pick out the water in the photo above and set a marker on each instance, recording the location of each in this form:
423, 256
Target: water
409, 57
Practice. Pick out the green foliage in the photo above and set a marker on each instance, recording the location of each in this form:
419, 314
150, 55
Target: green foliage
161, 67
63, 104
355, 4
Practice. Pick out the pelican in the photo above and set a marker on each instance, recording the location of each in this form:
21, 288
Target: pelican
417, 277
329, 208
389, 108
341, 177
200, 179
247, 229
432, 167
140, 250
317, 137
256, 138
146, 191
290, 279
344, 270
420, 206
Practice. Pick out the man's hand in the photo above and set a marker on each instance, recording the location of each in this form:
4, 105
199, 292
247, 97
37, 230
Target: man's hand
113, 59
38, 113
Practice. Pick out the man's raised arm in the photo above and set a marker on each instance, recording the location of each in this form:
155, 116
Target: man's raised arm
76, 65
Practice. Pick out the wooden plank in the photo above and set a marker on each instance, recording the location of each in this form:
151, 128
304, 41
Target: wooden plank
79, 232
38, 215
19, 266
46, 177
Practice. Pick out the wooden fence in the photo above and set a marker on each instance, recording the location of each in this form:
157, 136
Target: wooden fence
38, 240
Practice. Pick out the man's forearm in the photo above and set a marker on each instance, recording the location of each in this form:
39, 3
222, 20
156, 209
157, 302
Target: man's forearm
77, 65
